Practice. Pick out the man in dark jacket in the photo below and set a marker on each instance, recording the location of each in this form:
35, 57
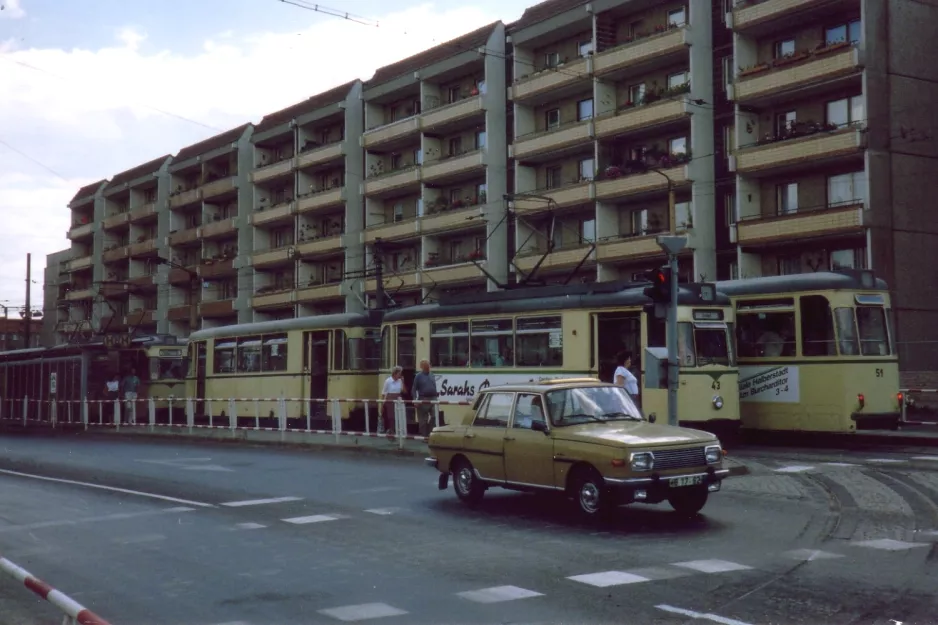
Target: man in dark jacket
425, 391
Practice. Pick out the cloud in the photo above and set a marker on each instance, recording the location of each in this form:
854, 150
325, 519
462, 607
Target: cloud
11, 9
90, 113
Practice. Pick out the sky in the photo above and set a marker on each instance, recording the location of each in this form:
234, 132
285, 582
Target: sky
90, 89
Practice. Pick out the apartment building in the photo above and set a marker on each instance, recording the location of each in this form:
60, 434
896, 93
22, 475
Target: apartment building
435, 170
307, 225
612, 138
54, 306
77, 293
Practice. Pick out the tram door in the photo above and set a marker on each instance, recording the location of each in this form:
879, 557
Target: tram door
200, 370
615, 333
317, 346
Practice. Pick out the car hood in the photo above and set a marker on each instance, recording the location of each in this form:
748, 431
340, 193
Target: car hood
632, 433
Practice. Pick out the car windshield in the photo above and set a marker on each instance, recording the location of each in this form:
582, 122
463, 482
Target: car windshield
574, 406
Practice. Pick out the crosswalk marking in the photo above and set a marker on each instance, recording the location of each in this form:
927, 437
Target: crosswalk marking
259, 502
250, 526
795, 468
313, 518
716, 618
608, 578
888, 544
361, 612
712, 566
499, 594
841, 464
383, 511
932, 458
886, 461
810, 555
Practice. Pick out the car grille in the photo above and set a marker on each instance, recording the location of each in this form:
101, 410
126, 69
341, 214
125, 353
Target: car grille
680, 458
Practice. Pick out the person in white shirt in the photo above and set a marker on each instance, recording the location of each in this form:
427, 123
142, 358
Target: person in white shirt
393, 388
624, 378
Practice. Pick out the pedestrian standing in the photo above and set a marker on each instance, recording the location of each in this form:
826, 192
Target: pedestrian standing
112, 393
393, 388
425, 390
129, 386
624, 378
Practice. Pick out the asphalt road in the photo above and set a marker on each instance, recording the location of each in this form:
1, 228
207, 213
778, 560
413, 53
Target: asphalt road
321, 537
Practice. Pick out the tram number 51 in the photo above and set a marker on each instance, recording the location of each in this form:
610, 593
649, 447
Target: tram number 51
879, 373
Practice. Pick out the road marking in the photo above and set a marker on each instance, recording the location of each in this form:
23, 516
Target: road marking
112, 489
810, 555
110, 517
186, 464
250, 526
383, 511
259, 502
841, 464
208, 467
315, 518
709, 617
886, 461
147, 538
712, 566
608, 578
362, 612
889, 544
795, 468
377, 489
498, 594
932, 458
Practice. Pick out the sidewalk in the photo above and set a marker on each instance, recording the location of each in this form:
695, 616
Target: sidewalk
908, 435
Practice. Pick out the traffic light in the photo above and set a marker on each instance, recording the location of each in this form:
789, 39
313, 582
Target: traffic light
660, 289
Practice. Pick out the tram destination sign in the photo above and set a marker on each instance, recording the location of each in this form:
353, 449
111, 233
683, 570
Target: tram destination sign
779, 384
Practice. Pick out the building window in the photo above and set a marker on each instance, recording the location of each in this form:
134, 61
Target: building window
784, 123
734, 270
849, 32
480, 139
398, 211
677, 17
786, 197
848, 259
552, 59
588, 231
788, 265
729, 74
784, 48
684, 215
552, 119
482, 193
584, 110
678, 79
846, 189
678, 145
846, 111
455, 195
455, 146
586, 48
452, 95
396, 162
729, 208
554, 177
639, 220
637, 94
587, 169
418, 157
729, 139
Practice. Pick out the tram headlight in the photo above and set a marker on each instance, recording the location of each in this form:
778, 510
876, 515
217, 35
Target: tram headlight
642, 461
717, 402
713, 453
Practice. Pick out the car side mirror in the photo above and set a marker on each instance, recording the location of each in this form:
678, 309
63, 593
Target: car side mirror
539, 426
652, 418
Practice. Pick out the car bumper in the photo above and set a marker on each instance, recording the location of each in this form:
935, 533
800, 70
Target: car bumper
656, 488
432, 462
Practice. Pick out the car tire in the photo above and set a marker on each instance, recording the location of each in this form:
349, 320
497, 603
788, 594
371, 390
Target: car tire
589, 493
467, 485
688, 501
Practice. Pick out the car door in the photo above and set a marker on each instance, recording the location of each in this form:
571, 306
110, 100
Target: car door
485, 438
529, 450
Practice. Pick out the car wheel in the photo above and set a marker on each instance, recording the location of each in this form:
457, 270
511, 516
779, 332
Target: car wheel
467, 486
589, 493
688, 501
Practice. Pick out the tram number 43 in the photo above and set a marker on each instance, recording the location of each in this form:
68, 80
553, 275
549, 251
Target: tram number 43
715, 386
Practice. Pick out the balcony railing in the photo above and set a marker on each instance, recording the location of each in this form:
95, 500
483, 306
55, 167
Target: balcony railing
449, 113
547, 141
324, 198
81, 231
219, 228
275, 256
630, 117
550, 79
822, 221
184, 237
810, 147
219, 187
184, 198
277, 214
803, 69
218, 308
628, 248
318, 292
654, 47
115, 221
115, 253
279, 299
80, 263
453, 165
383, 183
749, 14
274, 170
560, 258
142, 213
320, 245
461, 271
390, 132
320, 154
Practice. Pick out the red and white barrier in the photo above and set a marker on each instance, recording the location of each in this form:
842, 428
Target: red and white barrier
75, 613
906, 401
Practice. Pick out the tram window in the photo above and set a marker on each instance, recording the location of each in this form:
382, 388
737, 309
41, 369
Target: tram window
539, 342
766, 334
275, 353
407, 346
874, 339
492, 343
817, 327
366, 351
249, 355
340, 355
225, 357
449, 344
386, 347
713, 345
847, 332
685, 345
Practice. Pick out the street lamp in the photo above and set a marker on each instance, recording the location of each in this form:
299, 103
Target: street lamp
193, 289
672, 210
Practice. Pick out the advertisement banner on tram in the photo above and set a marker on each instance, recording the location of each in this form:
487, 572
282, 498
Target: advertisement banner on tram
773, 384
463, 386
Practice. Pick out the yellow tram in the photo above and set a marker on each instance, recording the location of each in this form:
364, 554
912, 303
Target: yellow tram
322, 357
482, 340
816, 352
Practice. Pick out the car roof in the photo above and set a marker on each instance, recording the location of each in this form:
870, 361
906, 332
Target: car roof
542, 386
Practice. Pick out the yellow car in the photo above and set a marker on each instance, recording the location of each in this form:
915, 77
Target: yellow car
581, 438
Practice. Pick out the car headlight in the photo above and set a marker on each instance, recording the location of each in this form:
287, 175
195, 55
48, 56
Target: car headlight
643, 461
713, 453
717, 402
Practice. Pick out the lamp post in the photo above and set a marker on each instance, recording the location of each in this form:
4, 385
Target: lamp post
672, 217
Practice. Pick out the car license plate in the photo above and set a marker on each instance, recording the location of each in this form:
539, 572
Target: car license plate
690, 480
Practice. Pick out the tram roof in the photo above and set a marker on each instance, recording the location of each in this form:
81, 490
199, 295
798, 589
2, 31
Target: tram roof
596, 295
96, 343
841, 280
317, 322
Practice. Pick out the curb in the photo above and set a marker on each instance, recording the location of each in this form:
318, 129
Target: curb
847, 442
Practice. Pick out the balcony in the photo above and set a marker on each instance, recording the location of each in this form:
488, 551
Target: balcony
219, 187
656, 49
115, 254
82, 262
648, 182
390, 132
320, 200
761, 13
393, 230
319, 293
628, 249
272, 171
180, 276
180, 313
140, 317
463, 164
320, 155
143, 282
553, 82
113, 291
806, 151
82, 231
399, 280
836, 221
142, 213
115, 221
571, 195
324, 245
560, 259
462, 272
142, 248
277, 214
450, 219
185, 198
274, 300
278, 256
392, 181
219, 308
450, 113
79, 294
184, 237
218, 229
641, 117
798, 73
552, 140
217, 268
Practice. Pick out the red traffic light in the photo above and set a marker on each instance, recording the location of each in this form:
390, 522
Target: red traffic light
660, 278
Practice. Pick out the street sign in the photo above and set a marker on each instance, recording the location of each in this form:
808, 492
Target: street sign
52, 382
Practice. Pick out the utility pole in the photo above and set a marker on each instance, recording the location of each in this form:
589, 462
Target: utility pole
672, 245
377, 251
29, 311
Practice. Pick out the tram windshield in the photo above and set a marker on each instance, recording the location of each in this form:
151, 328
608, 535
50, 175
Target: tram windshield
701, 344
863, 331
163, 368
